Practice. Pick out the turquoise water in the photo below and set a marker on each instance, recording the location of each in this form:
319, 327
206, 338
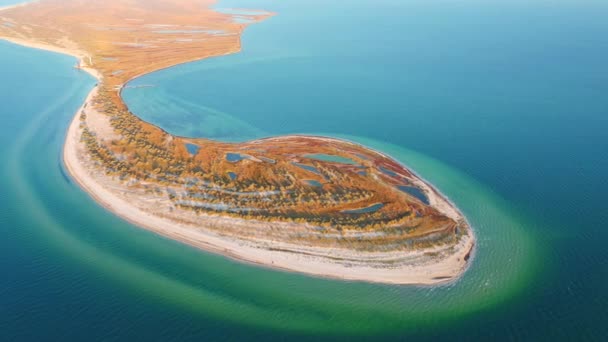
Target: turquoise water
232, 175
331, 158
415, 192
313, 182
372, 208
499, 105
235, 157
192, 149
306, 167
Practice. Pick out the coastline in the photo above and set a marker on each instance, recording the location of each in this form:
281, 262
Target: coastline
79, 55
309, 262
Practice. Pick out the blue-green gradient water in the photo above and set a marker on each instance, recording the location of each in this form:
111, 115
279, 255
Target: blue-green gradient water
500, 104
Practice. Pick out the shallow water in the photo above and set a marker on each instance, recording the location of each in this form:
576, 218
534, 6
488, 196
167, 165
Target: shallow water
235, 157
192, 149
330, 158
416, 192
372, 208
515, 137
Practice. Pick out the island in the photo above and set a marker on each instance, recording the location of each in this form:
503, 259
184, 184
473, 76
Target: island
316, 205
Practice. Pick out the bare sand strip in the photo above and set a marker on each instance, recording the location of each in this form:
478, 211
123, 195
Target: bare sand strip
312, 261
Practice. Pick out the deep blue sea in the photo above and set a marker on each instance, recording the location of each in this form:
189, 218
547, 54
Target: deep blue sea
501, 104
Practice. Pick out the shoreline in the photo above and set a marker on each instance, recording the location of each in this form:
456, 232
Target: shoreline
446, 271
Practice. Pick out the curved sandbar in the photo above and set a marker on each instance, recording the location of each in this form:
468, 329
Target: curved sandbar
265, 214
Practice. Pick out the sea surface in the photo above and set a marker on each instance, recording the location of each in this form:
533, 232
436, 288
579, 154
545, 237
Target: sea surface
500, 104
